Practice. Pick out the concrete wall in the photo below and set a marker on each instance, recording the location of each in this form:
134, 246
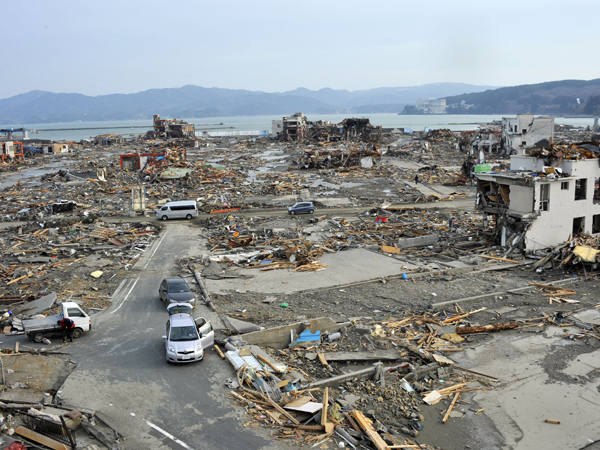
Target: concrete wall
521, 199
555, 225
280, 337
525, 130
525, 163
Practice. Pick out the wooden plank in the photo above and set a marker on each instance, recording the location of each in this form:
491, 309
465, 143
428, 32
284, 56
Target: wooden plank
499, 259
462, 316
268, 363
281, 410
325, 407
16, 279
450, 407
505, 193
487, 328
40, 439
219, 351
365, 425
322, 359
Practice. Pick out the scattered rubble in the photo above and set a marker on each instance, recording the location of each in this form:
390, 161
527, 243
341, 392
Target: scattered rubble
378, 380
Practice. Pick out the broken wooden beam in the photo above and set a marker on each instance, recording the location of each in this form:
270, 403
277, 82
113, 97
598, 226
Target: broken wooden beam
487, 328
445, 419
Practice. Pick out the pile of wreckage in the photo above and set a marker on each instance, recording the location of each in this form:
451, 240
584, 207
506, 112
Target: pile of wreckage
367, 385
551, 152
331, 158
71, 257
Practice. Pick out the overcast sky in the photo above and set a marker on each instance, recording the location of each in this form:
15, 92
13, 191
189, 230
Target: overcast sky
104, 47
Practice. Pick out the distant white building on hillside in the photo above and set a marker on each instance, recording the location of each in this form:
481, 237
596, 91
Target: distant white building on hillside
432, 106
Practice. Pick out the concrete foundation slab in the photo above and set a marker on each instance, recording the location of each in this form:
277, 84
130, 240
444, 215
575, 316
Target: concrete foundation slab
343, 267
525, 398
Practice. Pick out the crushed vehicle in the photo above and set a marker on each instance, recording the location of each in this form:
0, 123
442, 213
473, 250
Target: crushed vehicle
38, 329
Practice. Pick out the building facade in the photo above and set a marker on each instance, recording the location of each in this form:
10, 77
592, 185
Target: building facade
523, 131
539, 205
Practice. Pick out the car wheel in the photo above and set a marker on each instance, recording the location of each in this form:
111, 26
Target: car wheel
165, 218
292, 212
37, 337
312, 211
188, 217
77, 332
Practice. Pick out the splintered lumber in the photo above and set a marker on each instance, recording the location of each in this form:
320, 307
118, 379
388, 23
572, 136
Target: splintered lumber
499, 259
549, 287
475, 373
556, 422
281, 410
40, 439
219, 351
486, 328
325, 407
450, 407
415, 349
322, 359
345, 436
462, 316
16, 279
366, 426
268, 363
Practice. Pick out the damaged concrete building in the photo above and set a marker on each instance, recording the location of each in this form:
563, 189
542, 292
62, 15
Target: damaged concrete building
11, 150
298, 128
523, 131
173, 128
547, 197
291, 128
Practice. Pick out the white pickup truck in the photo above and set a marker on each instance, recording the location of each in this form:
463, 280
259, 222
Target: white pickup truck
37, 329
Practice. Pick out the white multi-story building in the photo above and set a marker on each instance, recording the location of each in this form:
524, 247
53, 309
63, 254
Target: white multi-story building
432, 106
540, 203
523, 131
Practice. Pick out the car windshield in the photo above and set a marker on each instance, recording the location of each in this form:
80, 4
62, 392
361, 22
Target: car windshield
178, 286
189, 333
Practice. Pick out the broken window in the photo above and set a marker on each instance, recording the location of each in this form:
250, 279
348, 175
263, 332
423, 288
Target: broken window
564, 185
596, 224
544, 196
580, 189
597, 190
578, 225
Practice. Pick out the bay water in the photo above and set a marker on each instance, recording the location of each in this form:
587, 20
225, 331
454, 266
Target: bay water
77, 131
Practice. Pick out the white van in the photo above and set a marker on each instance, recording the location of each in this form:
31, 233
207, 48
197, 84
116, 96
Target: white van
185, 209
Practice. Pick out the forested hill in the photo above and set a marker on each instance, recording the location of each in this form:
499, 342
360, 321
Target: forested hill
567, 97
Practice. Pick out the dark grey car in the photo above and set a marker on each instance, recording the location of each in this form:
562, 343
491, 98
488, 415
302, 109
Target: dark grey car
175, 290
302, 208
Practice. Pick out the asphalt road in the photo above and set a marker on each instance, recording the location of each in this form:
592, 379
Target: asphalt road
122, 372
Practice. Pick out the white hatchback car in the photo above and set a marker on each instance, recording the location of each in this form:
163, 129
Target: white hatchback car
185, 338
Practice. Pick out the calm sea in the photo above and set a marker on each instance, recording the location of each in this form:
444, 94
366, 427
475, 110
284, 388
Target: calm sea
76, 131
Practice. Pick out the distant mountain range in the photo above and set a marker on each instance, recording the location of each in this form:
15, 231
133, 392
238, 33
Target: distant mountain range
554, 98
197, 102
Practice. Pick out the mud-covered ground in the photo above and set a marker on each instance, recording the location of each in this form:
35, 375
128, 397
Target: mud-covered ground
365, 305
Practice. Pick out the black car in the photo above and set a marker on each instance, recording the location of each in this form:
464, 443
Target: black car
175, 290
